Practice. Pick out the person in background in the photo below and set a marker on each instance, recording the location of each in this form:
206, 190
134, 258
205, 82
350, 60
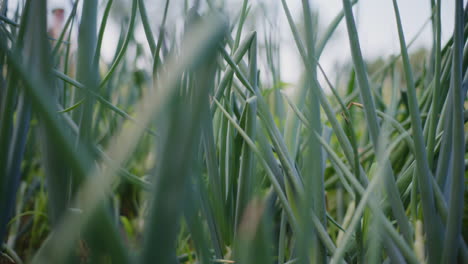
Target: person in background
57, 22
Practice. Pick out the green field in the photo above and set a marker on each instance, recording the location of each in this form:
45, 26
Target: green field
198, 151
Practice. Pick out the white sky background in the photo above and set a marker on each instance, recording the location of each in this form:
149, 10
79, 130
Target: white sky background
376, 27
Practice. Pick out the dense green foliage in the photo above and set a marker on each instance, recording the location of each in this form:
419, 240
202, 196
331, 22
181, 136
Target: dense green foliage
201, 157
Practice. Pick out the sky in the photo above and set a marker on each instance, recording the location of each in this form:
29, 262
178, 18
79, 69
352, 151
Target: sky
376, 28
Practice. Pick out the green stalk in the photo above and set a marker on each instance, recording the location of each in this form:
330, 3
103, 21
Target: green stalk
445, 153
208, 213
314, 179
432, 224
353, 180
97, 57
195, 225
102, 29
330, 151
156, 54
436, 88
102, 100
147, 26
181, 135
246, 179
6, 125
7, 20
215, 187
282, 197
269, 124
266, 148
372, 123
76, 158
275, 183
36, 50
366, 198
451, 241
87, 72
236, 58
282, 238
245, 184
94, 190
15, 112
65, 29
66, 65
122, 51
291, 132
240, 25
292, 125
